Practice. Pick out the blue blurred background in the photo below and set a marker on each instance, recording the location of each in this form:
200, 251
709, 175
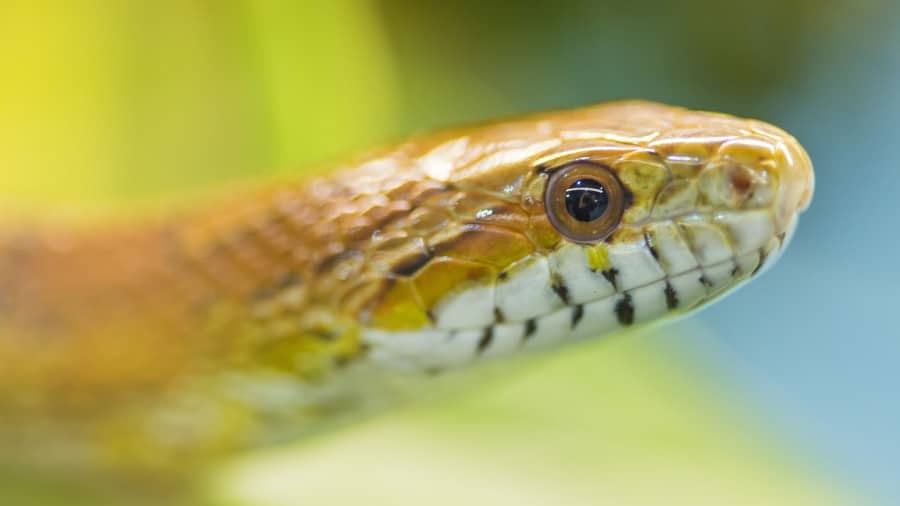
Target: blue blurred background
817, 343
105, 107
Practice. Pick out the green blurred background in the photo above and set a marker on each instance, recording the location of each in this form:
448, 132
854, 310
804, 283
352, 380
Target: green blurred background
786, 393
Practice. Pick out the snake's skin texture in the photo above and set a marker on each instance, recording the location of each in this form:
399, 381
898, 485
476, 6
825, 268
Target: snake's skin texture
161, 342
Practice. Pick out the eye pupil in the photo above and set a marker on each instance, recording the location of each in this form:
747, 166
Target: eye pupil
586, 199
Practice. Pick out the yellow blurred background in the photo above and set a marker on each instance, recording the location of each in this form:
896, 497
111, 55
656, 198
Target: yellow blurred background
107, 107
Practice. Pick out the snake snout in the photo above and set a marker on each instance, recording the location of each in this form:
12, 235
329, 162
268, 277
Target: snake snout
793, 169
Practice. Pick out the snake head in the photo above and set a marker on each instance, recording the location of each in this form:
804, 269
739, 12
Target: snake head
579, 223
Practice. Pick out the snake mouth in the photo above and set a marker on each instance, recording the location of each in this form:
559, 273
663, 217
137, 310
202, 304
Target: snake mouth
438, 349
570, 312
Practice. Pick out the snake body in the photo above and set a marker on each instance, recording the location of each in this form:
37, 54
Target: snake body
198, 332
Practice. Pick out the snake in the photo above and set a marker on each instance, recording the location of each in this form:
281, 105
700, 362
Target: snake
161, 340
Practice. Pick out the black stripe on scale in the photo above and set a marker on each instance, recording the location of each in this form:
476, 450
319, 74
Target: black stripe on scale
577, 314
530, 328
651, 247
559, 286
487, 337
671, 296
610, 275
762, 260
625, 310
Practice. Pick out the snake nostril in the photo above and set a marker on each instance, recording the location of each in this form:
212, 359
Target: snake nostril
741, 180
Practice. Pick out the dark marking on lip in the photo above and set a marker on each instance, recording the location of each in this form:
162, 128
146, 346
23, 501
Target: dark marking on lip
671, 296
651, 247
430, 315
499, 317
625, 310
705, 281
486, 338
577, 314
781, 237
502, 276
411, 264
735, 271
541, 169
561, 289
762, 260
530, 328
610, 275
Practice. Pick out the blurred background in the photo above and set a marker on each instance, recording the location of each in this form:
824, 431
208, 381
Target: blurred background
784, 393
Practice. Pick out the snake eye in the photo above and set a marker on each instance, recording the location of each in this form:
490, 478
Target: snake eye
584, 202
